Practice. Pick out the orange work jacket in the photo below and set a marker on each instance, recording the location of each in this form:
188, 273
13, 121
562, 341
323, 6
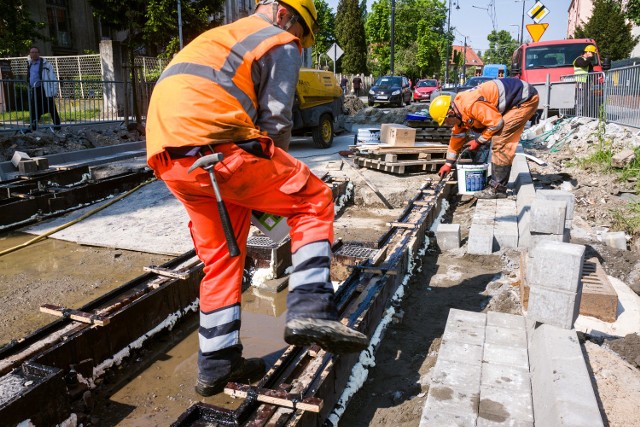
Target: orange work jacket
482, 110
206, 94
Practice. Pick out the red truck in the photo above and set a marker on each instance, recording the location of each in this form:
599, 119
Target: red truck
532, 62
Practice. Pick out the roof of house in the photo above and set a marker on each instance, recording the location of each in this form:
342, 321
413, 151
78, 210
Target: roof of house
472, 58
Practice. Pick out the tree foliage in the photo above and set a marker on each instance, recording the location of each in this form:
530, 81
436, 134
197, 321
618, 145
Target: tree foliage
325, 36
501, 48
633, 11
351, 36
152, 25
419, 40
609, 28
18, 31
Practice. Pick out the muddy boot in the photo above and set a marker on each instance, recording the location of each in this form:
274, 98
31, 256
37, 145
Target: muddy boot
331, 335
249, 370
497, 186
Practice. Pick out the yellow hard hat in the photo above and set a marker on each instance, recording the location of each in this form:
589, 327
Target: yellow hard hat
439, 108
305, 10
590, 48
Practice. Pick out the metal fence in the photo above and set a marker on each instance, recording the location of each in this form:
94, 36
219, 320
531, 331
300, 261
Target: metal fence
88, 67
613, 95
78, 102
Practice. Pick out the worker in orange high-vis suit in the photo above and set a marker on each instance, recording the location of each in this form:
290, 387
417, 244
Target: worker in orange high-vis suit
231, 91
498, 110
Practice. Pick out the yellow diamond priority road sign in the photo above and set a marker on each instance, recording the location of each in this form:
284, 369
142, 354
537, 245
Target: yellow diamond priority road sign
538, 12
537, 30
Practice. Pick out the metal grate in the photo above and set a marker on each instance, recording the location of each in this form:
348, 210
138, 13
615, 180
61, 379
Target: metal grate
356, 251
261, 242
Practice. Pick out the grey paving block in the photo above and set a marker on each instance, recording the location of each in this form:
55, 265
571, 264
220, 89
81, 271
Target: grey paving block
510, 404
507, 337
556, 265
505, 234
480, 241
506, 377
448, 236
525, 196
486, 205
524, 227
559, 195
548, 216
470, 317
454, 351
505, 320
536, 238
464, 333
505, 355
457, 375
452, 401
442, 419
485, 422
561, 386
553, 306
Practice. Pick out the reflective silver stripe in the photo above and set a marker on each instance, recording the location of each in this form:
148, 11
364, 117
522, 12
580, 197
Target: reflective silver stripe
220, 317
311, 250
458, 135
452, 155
502, 100
496, 127
218, 343
224, 77
312, 275
525, 92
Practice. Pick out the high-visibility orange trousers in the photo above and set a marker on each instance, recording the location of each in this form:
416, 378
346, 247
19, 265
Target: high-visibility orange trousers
279, 185
505, 142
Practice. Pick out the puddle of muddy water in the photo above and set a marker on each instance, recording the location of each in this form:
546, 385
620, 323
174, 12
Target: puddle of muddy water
161, 392
61, 273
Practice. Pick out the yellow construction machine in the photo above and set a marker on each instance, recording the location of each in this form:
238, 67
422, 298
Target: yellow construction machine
319, 102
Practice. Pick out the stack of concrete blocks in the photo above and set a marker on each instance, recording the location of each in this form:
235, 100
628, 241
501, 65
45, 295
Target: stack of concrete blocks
482, 373
480, 240
554, 272
522, 184
494, 226
448, 236
551, 216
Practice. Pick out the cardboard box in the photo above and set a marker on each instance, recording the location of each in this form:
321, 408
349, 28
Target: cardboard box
398, 135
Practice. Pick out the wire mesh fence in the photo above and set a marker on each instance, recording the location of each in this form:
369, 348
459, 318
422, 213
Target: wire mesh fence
71, 102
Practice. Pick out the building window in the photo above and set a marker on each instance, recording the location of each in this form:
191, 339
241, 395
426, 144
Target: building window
58, 17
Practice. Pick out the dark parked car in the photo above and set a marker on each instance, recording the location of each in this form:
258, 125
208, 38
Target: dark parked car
470, 84
424, 88
390, 90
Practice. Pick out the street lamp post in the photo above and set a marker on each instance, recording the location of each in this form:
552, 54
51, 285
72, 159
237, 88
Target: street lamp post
393, 21
519, 29
180, 24
446, 69
522, 22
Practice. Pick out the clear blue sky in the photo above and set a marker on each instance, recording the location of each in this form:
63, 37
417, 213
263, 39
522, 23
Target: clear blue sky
476, 23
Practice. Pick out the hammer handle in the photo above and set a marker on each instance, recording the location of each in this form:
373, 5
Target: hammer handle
228, 230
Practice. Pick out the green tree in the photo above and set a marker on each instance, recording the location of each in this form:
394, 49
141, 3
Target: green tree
609, 28
17, 30
418, 42
325, 36
351, 36
633, 11
501, 48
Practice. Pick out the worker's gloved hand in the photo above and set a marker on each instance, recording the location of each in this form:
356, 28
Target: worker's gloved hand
444, 170
472, 145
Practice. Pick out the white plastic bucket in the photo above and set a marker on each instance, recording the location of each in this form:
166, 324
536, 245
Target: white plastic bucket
368, 136
471, 178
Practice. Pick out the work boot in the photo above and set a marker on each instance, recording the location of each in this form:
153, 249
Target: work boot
491, 193
249, 370
331, 335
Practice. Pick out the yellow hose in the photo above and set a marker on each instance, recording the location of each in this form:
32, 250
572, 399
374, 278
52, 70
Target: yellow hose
70, 223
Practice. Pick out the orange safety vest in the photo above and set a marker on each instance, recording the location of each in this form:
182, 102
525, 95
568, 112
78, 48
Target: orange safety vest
206, 94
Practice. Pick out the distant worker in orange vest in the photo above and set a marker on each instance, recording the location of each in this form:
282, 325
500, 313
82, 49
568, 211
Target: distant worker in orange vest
498, 110
231, 91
